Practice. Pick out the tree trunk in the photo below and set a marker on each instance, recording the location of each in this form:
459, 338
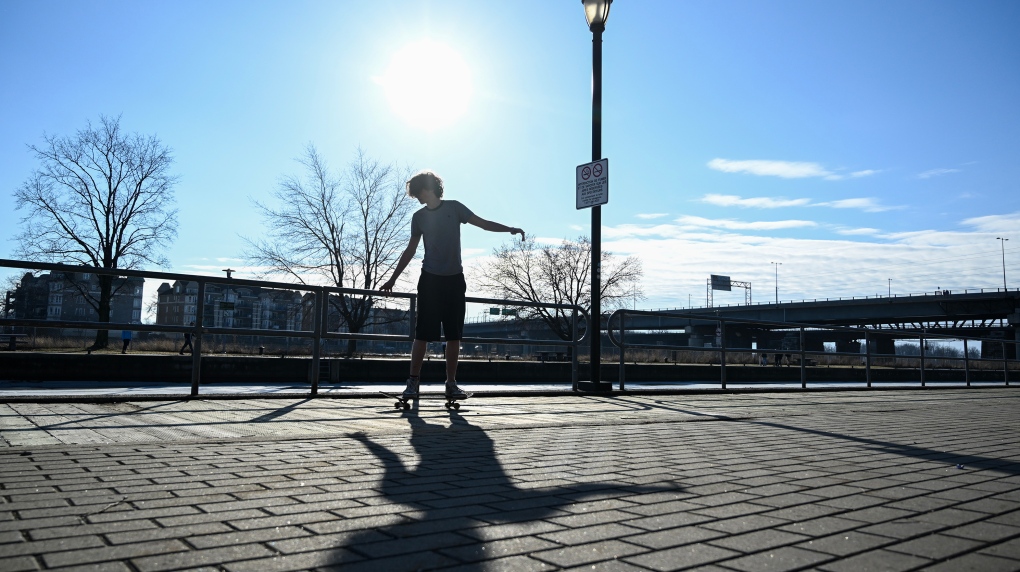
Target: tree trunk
105, 295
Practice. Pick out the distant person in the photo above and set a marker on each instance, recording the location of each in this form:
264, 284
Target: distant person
441, 286
125, 337
764, 360
187, 341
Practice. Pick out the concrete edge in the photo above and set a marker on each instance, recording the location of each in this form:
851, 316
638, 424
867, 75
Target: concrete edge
931, 386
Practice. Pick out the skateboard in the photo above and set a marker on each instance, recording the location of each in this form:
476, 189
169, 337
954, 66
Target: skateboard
403, 402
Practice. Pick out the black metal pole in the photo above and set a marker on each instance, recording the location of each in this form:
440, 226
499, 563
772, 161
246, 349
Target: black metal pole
596, 211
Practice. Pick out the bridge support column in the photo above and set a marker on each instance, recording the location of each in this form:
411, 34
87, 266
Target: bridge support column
846, 346
882, 345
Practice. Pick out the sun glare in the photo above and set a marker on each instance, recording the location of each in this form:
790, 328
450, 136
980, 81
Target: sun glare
427, 84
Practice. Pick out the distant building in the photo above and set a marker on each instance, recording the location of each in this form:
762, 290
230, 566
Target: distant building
228, 306
73, 296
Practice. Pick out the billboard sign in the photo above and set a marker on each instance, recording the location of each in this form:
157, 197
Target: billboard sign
720, 282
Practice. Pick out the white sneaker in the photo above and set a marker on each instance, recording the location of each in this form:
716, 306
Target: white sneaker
412, 388
454, 392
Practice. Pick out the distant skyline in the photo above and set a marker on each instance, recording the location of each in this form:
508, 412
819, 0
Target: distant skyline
854, 142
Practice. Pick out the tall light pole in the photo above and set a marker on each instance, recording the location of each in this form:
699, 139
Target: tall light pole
890, 286
777, 265
596, 12
1002, 241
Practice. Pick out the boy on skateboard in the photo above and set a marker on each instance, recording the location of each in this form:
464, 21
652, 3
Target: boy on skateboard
441, 286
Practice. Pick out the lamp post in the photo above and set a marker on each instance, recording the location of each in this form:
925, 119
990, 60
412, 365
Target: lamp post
596, 12
1002, 241
777, 265
890, 286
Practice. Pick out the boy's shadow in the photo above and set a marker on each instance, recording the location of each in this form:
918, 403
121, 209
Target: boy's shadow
463, 507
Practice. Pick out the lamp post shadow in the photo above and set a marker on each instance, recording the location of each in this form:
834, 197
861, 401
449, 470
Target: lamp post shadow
463, 509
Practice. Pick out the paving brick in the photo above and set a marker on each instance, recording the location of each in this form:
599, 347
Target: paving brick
163, 533
17, 563
984, 531
1007, 549
757, 540
50, 546
498, 549
578, 555
975, 562
194, 558
682, 557
883, 560
785, 558
674, 537
846, 543
112, 553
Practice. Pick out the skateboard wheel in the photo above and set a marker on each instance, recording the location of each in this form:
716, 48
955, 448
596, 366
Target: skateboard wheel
407, 405
396, 405
456, 405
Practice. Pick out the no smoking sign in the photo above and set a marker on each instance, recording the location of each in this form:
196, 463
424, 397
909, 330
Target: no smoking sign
593, 184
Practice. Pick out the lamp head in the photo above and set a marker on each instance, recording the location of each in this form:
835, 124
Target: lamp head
596, 12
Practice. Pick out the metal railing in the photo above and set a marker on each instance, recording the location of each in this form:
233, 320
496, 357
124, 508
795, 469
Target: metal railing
618, 320
320, 313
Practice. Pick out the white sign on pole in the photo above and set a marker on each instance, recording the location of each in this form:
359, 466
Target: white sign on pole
593, 184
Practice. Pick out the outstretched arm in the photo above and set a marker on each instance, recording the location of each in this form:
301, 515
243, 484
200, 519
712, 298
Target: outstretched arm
494, 226
405, 258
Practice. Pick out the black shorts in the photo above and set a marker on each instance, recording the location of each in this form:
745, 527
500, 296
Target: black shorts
440, 302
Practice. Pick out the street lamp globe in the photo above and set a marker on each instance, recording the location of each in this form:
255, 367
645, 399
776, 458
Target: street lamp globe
596, 12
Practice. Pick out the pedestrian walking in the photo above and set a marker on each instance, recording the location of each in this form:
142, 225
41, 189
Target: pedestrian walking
187, 341
125, 337
441, 286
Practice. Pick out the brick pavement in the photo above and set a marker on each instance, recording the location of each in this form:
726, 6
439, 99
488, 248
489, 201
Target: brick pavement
885, 480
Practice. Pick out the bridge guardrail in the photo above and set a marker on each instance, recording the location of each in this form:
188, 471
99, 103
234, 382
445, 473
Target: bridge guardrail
619, 317
317, 334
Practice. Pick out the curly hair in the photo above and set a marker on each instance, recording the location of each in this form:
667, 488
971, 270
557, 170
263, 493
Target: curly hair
425, 180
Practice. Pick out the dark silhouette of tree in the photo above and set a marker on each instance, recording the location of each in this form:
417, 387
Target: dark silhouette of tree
344, 229
561, 274
102, 198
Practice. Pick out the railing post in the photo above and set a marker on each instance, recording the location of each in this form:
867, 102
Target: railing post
803, 360
317, 340
966, 362
922, 359
867, 357
196, 351
1005, 364
623, 346
722, 353
573, 350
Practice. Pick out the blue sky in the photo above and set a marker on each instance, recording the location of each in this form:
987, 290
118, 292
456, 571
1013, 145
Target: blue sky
853, 142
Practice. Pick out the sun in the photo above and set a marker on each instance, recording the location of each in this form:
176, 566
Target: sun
427, 84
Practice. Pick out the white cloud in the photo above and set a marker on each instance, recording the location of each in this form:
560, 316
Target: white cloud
730, 224
1006, 223
858, 231
864, 173
936, 173
865, 204
753, 202
649, 216
784, 169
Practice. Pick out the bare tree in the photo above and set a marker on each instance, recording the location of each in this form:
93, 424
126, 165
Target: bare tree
561, 274
100, 198
344, 229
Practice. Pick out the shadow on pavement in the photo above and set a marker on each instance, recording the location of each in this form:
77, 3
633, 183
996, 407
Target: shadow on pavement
969, 461
464, 508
